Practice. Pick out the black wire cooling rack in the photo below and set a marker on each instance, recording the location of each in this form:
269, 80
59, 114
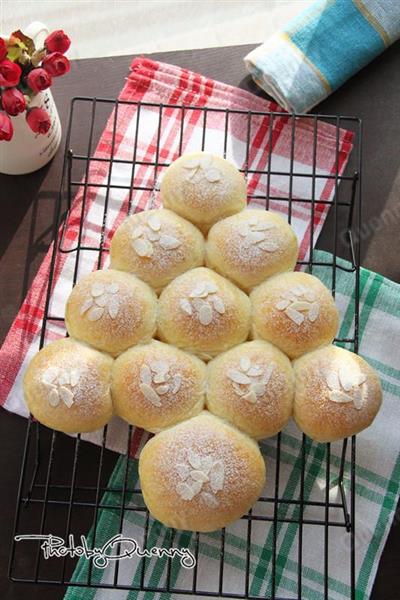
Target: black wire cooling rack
65, 486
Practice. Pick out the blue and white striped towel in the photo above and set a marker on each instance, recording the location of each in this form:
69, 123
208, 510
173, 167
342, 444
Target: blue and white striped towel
321, 48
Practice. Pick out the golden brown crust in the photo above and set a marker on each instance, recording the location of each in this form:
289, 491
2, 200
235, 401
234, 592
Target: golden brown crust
157, 246
203, 188
227, 465
279, 301
67, 387
111, 310
263, 403
177, 382
183, 322
251, 246
324, 409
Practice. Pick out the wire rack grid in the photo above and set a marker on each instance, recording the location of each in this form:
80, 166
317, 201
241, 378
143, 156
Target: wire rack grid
65, 486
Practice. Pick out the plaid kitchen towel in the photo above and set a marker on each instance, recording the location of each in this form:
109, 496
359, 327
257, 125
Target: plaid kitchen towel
377, 489
163, 135
321, 48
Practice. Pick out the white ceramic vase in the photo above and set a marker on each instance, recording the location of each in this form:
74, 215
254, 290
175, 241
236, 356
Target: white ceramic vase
28, 151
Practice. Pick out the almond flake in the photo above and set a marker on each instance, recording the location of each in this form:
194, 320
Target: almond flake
95, 313
239, 391
255, 371
309, 295
357, 399
282, 304
254, 237
244, 232
205, 161
50, 375
153, 236
150, 394
245, 363
54, 398
176, 383
300, 305
74, 377
86, 305
258, 389
332, 381
154, 222
97, 289
112, 288
361, 378
194, 459
137, 232
199, 290
101, 300
213, 175
253, 220
160, 366
159, 377
209, 499
182, 470
198, 475
211, 287
169, 242
294, 316
262, 226
238, 377
142, 247
268, 245
145, 374
66, 396
191, 173
185, 491
191, 163
339, 397
64, 378
186, 306
198, 303
217, 476
346, 377
313, 312
299, 290
196, 486
218, 304
113, 307
206, 464
250, 396
205, 314
162, 389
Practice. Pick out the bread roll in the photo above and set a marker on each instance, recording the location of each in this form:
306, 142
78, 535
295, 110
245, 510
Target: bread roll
337, 394
111, 311
203, 188
203, 313
156, 385
157, 246
67, 387
252, 387
201, 474
251, 246
295, 312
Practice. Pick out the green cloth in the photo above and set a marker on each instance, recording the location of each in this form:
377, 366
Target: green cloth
377, 488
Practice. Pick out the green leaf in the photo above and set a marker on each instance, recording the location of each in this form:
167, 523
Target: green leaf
14, 53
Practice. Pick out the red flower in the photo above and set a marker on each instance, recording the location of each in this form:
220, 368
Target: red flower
57, 41
10, 73
38, 80
3, 49
6, 127
56, 64
38, 120
13, 101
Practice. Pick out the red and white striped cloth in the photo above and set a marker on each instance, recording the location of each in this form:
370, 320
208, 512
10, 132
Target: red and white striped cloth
151, 81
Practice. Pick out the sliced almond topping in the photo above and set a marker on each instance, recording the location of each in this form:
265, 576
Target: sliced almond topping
209, 499
239, 390
218, 304
262, 226
238, 377
95, 313
182, 470
54, 398
97, 289
206, 464
142, 247
86, 305
191, 174
169, 242
213, 175
313, 313
339, 397
191, 163
299, 290
361, 378
113, 287
186, 306
254, 220
309, 295
113, 306
153, 236
150, 394
194, 459
196, 486
255, 371
206, 160
163, 389
137, 232
75, 375
254, 237
159, 377
101, 300
294, 315
358, 399
197, 303
199, 290
332, 381
245, 363
154, 222
66, 396
184, 490
50, 375
198, 475
217, 474
211, 287
250, 396
282, 304
346, 377
64, 378
160, 366
145, 374
300, 305
268, 245
205, 314
258, 389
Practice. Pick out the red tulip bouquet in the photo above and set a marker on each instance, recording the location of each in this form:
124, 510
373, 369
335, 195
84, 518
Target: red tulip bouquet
24, 72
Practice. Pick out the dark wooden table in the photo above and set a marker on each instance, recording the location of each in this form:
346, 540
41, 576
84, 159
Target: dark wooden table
27, 205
